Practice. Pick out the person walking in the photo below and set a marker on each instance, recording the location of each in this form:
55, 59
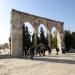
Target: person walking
25, 51
32, 51
49, 49
57, 50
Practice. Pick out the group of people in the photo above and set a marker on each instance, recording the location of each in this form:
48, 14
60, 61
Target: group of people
31, 51
57, 50
42, 49
28, 51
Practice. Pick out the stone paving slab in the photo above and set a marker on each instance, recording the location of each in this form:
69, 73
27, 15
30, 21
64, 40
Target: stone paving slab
48, 65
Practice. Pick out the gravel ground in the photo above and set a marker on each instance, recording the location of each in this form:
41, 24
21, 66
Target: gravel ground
47, 65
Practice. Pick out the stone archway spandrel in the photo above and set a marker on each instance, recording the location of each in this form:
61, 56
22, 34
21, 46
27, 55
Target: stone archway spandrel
59, 27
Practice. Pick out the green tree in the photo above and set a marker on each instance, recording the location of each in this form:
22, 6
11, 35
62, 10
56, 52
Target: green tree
73, 40
53, 41
68, 40
43, 38
26, 37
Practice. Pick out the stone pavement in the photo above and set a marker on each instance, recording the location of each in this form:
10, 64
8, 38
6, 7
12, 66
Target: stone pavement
46, 65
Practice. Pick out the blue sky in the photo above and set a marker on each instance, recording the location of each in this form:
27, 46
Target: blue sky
61, 10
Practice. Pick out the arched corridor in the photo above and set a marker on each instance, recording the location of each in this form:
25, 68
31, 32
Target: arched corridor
17, 21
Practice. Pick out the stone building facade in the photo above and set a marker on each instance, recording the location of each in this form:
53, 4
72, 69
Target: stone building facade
18, 19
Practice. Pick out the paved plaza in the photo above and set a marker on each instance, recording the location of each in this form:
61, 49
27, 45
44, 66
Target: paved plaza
46, 65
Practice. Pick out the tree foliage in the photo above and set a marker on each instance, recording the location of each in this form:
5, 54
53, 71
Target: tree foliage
73, 40
26, 37
68, 40
53, 41
43, 38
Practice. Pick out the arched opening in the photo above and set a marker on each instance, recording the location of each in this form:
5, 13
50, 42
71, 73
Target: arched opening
30, 27
44, 29
27, 35
42, 35
53, 37
56, 40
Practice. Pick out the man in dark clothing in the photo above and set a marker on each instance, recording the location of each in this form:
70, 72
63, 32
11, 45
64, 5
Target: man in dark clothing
32, 52
63, 50
49, 50
25, 50
57, 50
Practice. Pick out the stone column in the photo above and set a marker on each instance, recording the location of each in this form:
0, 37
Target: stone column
59, 41
36, 24
49, 37
49, 26
62, 39
60, 36
35, 39
16, 34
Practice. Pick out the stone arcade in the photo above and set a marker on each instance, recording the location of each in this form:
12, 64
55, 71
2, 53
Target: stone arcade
17, 21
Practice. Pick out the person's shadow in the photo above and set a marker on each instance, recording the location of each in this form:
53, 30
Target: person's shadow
66, 61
